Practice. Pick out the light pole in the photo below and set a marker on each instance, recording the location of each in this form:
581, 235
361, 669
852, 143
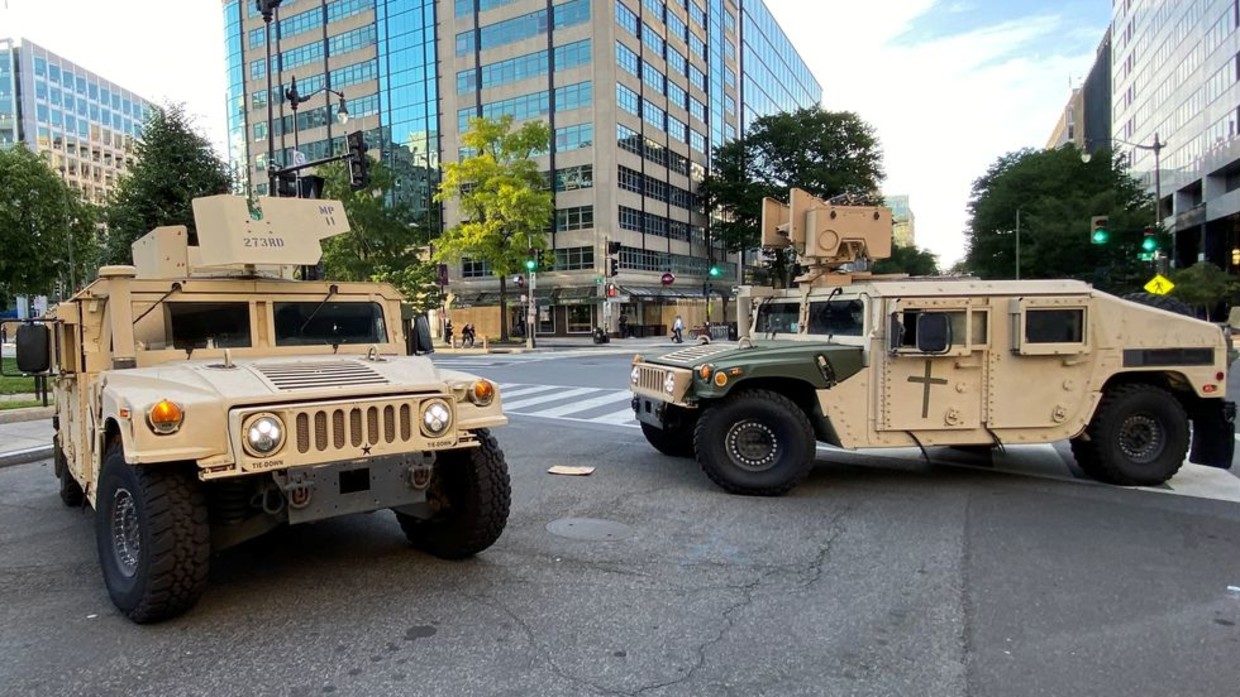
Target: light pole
1155, 148
295, 99
1018, 244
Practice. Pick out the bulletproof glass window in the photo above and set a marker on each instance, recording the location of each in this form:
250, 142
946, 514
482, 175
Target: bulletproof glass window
331, 323
194, 325
1054, 326
905, 324
783, 317
837, 318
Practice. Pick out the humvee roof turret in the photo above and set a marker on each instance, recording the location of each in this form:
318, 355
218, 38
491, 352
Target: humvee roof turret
863, 361
203, 397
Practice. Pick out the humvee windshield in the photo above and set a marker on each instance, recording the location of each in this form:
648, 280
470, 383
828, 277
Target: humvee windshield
837, 317
194, 325
305, 323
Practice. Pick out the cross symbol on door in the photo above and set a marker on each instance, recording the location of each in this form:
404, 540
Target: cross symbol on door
926, 381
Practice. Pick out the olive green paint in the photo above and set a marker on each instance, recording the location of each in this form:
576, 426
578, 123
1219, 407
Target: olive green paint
797, 360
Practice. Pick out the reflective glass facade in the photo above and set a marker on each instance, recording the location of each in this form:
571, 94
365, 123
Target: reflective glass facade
1175, 72
83, 124
775, 77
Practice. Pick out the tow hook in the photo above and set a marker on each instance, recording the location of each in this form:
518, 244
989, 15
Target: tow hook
297, 490
421, 468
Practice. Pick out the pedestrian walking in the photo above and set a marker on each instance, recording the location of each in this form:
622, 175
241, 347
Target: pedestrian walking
678, 330
447, 332
467, 335
624, 326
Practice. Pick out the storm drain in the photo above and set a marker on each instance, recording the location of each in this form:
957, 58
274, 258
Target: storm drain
592, 529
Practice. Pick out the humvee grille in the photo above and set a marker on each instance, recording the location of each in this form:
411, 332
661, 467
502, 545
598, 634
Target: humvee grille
306, 376
690, 354
650, 378
352, 425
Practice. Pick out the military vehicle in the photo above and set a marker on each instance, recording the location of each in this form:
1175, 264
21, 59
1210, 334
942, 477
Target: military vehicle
204, 397
857, 360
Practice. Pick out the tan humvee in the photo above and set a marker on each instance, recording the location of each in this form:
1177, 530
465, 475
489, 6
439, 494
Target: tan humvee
863, 361
204, 397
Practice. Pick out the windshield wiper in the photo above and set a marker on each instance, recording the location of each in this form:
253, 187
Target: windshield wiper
827, 311
331, 290
175, 288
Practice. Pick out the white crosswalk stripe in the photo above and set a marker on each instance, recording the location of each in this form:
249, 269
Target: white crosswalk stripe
579, 404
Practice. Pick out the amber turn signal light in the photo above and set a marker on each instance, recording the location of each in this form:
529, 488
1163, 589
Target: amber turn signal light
482, 392
165, 417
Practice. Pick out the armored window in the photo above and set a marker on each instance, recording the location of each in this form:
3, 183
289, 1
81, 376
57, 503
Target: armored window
1054, 326
837, 318
328, 323
779, 317
194, 325
904, 329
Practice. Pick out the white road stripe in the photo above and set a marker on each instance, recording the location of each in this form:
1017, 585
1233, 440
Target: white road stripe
624, 417
584, 405
524, 403
505, 392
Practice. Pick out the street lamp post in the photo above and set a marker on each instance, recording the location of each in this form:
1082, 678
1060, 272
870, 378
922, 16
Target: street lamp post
1018, 244
267, 8
1156, 147
295, 99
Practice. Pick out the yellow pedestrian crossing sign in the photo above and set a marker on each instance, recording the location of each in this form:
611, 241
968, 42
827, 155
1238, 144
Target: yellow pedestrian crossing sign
1159, 285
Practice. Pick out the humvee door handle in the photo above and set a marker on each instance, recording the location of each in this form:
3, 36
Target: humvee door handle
968, 364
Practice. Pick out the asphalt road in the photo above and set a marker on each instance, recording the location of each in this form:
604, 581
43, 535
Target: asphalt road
881, 575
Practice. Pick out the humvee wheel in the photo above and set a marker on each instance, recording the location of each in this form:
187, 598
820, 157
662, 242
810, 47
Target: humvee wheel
1162, 302
471, 492
1138, 437
755, 442
153, 538
70, 491
676, 441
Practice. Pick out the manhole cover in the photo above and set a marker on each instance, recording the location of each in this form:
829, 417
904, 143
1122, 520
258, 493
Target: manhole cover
589, 529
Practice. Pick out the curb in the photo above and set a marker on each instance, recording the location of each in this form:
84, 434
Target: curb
21, 457
12, 416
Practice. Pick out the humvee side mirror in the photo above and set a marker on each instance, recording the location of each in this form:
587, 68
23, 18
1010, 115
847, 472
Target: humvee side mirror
421, 339
934, 332
34, 349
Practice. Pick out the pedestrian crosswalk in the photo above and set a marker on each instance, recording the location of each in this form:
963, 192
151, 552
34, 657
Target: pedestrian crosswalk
597, 405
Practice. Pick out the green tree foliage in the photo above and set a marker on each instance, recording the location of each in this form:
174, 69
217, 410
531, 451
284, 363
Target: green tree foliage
826, 153
505, 205
43, 223
910, 260
386, 242
1057, 194
1202, 285
173, 164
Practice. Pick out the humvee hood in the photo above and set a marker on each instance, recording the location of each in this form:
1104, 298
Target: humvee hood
795, 359
276, 379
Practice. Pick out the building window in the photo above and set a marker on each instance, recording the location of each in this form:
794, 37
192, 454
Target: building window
573, 96
579, 218
652, 40
627, 99
628, 139
653, 115
626, 18
630, 219
573, 178
655, 79
574, 259
474, 269
574, 137
630, 180
580, 319
627, 59
676, 61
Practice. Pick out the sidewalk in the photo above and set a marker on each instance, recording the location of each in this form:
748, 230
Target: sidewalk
25, 441
551, 343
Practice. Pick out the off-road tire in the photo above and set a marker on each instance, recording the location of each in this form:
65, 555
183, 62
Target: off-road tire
673, 442
472, 486
718, 443
70, 491
1162, 302
169, 514
1144, 408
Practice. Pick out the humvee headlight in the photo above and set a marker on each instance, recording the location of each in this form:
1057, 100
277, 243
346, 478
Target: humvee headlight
669, 383
165, 417
482, 392
436, 418
634, 375
705, 370
264, 435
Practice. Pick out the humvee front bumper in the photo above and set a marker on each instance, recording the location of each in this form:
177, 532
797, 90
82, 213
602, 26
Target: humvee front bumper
356, 486
661, 383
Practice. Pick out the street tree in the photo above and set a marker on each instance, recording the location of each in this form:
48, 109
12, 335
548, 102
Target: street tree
1203, 285
47, 232
386, 240
826, 153
1057, 195
173, 164
505, 204
913, 261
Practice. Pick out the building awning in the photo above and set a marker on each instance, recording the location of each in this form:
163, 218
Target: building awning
580, 295
642, 293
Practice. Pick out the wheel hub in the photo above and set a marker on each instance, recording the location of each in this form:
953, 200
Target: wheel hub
1141, 438
126, 541
752, 445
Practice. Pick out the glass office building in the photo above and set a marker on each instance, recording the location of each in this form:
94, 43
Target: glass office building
83, 124
1174, 74
636, 92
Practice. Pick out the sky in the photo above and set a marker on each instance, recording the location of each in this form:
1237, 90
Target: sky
949, 85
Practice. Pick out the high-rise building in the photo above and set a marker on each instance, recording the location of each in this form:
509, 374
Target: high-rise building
636, 92
1086, 118
83, 124
1175, 80
903, 222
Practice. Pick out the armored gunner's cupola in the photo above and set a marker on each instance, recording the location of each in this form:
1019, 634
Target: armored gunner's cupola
239, 237
826, 235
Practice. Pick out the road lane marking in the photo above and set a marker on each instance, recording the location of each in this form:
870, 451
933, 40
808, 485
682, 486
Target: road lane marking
585, 404
520, 404
516, 391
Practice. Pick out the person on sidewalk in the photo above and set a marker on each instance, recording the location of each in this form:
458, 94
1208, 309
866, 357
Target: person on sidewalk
624, 326
467, 335
678, 330
447, 332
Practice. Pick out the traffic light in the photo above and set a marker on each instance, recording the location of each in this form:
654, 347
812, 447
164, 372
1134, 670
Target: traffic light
359, 162
1149, 243
1235, 256
715, 271
286, 185
1100, 232
613, 267
613, 261
531, 260
613, 248
612, 291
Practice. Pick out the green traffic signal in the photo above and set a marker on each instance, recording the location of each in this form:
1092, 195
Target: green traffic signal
530, 264
1101, 235
715, 272
1149, 244
1100, 224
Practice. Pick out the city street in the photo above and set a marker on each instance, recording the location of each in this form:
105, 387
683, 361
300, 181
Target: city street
975, 574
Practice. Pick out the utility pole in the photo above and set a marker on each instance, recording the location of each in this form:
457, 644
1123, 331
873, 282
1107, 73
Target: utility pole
1018, 244
267, 8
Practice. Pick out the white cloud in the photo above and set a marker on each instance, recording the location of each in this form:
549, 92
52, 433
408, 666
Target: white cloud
163, 51
944, 108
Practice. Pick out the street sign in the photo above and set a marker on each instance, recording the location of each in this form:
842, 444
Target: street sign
1159, 285
668, 279
299, 158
